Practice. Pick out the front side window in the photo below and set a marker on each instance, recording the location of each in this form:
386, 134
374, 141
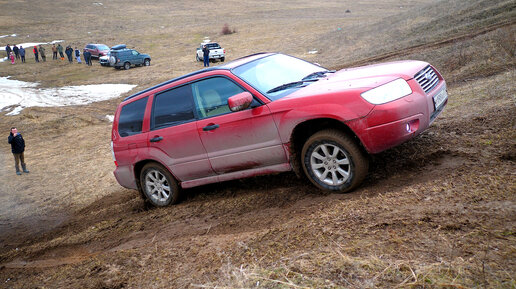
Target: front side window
172, 107
135, 52
211, 95
131, 117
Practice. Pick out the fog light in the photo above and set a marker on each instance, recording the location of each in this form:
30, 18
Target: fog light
412, 126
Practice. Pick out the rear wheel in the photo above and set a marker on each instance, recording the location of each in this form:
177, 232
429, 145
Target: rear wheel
127, 65
222, 59
197, 58
333, 161
158, 185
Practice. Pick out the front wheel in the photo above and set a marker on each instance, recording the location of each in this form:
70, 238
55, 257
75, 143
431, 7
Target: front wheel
332, 161
146, 62
158, 185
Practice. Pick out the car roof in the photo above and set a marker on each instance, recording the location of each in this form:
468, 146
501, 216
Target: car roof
228, 66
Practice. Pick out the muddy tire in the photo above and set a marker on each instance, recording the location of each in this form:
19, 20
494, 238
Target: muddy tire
332, 161
158, 186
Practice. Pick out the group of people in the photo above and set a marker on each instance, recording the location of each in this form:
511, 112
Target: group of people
16, 53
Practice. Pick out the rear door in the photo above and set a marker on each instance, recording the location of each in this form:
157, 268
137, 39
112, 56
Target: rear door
173, 138
235, 141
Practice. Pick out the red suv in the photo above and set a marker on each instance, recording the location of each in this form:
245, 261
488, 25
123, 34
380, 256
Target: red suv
97, 50
268, 113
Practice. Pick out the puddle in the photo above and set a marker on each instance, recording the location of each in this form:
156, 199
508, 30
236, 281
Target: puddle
16, 95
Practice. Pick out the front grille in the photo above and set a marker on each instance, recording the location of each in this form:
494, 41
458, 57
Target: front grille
427, 78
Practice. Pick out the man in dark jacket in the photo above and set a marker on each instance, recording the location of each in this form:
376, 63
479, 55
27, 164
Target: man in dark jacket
8, 50
206, 55
22, 54
87, 57
17, 148
16, 51
69, 52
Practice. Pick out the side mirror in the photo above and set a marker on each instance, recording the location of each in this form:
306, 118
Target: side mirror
240, 101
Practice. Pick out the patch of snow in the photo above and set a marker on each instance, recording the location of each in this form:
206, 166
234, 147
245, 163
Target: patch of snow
3, 59
312, 52
18, 95
32, 44
110, 117
12, 35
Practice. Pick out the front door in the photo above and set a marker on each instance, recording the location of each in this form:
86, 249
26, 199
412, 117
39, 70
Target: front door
235, 141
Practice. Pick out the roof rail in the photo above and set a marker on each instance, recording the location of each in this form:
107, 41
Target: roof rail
172, 80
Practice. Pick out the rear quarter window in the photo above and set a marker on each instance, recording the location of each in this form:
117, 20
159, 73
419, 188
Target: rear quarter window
131, 118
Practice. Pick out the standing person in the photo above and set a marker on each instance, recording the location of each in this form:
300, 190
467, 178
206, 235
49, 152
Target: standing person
87, 57
69, 52
42, 53
12, 57
18, 148
54, 52
22, 54
8, 50
78, 55
206, 55
35, 50
16, 51
60, 50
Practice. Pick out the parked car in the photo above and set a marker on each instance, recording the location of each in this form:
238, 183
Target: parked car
269, 113
97, 50
216, 52
104, 60
125, 58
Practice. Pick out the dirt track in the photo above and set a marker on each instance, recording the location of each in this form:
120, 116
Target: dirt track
446, 195
438, 211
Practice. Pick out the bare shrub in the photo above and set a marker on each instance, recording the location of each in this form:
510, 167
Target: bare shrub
226, 30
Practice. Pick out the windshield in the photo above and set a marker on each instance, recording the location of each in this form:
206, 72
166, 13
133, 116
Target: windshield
276, 70
103, 47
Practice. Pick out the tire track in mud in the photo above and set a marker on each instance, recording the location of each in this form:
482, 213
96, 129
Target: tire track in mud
424, 46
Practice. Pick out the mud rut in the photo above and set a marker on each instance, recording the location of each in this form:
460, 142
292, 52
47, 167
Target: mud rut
275, 200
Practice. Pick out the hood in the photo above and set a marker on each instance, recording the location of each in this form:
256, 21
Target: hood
362, 78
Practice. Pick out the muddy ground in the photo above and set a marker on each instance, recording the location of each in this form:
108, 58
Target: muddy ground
436, 212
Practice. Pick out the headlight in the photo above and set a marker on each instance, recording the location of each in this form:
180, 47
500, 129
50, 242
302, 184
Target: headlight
387, 92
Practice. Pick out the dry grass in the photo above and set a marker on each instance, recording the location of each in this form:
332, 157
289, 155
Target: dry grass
437, 212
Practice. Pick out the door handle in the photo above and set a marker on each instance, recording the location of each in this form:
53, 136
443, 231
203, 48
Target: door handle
156, 139
210, 127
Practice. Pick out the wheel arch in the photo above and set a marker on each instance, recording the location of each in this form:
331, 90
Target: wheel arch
138, 169
304, 130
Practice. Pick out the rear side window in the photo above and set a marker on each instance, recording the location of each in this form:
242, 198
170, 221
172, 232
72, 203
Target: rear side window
173, 107
131, 118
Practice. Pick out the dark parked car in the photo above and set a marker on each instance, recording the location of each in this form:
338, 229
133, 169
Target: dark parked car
97, 50
125, 58
270, 113
104, 60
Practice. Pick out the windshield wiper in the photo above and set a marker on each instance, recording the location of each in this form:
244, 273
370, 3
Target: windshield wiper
318, 74
290, 84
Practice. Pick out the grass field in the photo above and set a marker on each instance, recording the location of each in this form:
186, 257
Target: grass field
436, 212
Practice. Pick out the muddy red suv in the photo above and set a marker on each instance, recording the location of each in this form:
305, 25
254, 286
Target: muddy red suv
97, 50
270, 113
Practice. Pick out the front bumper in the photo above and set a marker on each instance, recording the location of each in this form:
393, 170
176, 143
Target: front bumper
393, 123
